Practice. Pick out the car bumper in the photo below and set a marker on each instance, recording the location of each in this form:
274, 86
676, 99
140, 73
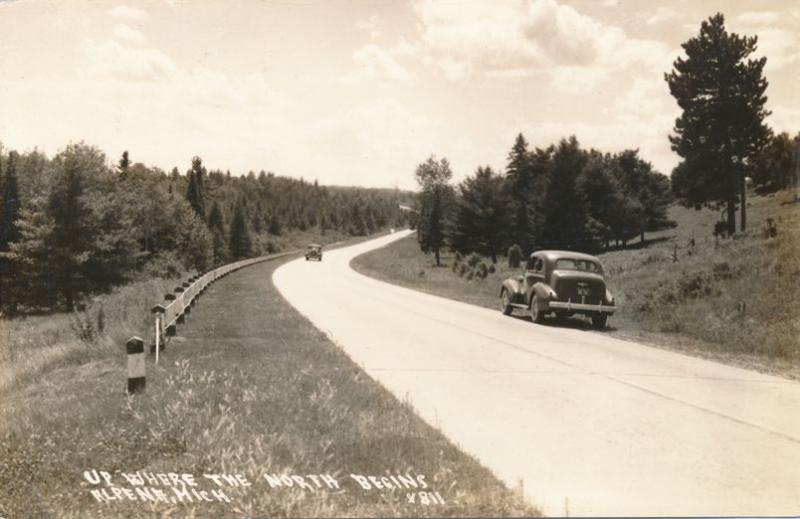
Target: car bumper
582, 307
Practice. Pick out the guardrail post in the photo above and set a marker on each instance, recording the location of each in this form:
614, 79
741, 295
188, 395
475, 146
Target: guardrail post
159, 345
136, 373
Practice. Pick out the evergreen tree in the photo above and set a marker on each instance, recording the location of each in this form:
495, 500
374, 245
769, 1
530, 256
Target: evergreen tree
241, 245
520, 184
195, 190
124, 165
9, 233
480, 214
435, 199
71, 219
722, 95
9, 204
563, 208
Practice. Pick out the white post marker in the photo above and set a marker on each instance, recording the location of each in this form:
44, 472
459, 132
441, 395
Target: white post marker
158, 329
136, 375
158, 311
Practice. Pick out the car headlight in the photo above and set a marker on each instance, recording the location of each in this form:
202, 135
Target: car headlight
609, 297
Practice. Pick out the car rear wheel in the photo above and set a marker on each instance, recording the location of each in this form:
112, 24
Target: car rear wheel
599, 321
536, 312
505, 304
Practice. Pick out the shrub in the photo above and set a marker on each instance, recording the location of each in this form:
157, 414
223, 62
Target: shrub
473, 259
492, 269
514, 256
482, 270
458, 258
462, 269
471, 275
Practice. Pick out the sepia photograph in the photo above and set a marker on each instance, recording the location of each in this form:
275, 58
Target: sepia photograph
399, 258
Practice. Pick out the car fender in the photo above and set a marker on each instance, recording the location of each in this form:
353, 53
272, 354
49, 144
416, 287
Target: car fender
543, 292
512, 286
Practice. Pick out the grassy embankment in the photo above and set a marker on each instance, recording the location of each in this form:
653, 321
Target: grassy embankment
248, 386
670, 294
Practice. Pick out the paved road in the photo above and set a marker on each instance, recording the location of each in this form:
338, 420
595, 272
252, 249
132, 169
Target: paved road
589, 424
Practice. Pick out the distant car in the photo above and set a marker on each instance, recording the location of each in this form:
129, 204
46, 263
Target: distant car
563, 283
314, 251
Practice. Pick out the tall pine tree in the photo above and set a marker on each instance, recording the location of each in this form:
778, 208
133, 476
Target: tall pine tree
722, 95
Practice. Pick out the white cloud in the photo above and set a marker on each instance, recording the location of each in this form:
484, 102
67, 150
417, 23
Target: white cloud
610, 3
126, 33
759, 17
126, 11
371, 25
529, 37
113, 60
375, 63
661, 15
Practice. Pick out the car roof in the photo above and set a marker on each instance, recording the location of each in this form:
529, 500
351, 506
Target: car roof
553, 255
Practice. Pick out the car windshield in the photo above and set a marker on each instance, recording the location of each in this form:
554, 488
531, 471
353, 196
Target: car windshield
578, 264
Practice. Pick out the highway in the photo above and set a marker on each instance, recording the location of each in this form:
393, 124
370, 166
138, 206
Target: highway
584, 423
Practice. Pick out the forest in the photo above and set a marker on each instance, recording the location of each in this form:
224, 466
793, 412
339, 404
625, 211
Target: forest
77, 224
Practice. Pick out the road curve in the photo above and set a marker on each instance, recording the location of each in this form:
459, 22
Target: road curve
589, 425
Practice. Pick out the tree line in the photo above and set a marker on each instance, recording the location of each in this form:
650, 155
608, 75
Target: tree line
561, 196
74, 224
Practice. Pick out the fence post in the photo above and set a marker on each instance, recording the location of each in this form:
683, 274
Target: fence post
136, 373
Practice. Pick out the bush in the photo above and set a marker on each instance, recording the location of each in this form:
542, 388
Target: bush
462, 269
514, 256
473, 259
482, 270
492, 269
458, 258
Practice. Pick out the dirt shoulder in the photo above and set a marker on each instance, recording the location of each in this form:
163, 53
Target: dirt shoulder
247, 387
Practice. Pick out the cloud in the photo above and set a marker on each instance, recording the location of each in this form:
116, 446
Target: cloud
371, 26
529, 37
610, 3
759, 17
661, 15
126, 11
375, 63
113, 60
126, 33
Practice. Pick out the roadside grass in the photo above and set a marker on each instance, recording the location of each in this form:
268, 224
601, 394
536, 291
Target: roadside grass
733, 300
248, 386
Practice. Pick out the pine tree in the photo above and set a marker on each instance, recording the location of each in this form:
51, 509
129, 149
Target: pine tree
241, 245
195, 191
564, 210
519, 182
70, 215
9, 232
124, 165
722, 95
480, 214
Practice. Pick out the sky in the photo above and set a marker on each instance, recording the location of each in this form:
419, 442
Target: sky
359, 92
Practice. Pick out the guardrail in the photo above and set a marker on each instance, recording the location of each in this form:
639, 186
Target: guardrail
179, 303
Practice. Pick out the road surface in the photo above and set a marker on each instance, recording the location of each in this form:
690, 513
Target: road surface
587, 424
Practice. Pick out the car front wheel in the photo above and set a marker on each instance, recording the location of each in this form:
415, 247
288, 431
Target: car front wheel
536, 312
505, 304
599, 321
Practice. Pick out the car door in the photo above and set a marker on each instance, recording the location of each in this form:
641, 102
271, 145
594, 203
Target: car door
534, 273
